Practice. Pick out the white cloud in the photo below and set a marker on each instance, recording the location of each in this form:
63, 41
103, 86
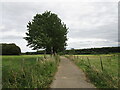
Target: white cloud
2, 27
72, 40
90, 43
60, 0
92, 23
12, 32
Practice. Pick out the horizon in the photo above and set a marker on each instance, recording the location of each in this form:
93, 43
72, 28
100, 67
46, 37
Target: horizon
91, 24
65, 49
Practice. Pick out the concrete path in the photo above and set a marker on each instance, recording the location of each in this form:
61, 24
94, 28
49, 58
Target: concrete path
70, 76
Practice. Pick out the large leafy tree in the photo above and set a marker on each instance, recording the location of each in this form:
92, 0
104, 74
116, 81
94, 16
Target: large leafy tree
47, 31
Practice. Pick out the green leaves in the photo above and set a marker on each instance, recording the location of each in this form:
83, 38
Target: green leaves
10, 49
45, 31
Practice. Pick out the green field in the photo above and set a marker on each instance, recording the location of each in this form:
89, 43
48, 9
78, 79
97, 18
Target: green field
28, 71
102, 70
37, 71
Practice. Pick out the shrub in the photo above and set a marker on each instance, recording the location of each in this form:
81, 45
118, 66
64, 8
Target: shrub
10, 49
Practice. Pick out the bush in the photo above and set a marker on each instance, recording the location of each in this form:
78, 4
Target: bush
10, 49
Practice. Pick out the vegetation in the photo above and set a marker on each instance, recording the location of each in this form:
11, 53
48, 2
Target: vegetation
46, 31
102, 70
10, 49
103, 50
28, 71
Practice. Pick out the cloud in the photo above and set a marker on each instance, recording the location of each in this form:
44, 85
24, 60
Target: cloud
60, 1
90, 43
19, 42
91, 23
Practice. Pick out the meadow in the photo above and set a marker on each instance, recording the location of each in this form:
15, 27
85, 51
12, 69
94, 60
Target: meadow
28, 71
37, 71
102, 70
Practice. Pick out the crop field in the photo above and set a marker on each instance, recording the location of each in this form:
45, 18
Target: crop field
102, 70
28, 71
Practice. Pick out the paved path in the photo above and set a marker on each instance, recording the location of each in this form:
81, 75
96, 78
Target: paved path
70, 76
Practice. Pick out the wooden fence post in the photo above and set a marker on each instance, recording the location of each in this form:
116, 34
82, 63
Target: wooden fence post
37, 59
77, 56
89, 62
74, 56
23, 61
101, 63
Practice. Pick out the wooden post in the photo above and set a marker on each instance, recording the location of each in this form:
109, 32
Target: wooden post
89, 62
23, 61
74, 56
45, 53
52, 51
37, 59
77, 56
101, 63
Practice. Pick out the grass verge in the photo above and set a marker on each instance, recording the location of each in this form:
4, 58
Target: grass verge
28, 72
91, 65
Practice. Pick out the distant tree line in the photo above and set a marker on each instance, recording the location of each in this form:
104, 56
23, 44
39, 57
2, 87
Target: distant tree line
104, 50
37, 52
10, 49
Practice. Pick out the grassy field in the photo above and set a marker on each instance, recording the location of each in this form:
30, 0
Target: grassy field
28, 71
102, 70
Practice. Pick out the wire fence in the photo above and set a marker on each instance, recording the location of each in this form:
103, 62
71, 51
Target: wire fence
102, 69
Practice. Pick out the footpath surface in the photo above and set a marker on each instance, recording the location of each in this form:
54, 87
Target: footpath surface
70, 76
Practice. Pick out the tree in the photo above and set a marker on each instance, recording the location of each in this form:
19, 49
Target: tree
10, 49
46, 31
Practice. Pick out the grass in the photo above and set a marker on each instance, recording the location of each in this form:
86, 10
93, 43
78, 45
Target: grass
28, 71
91, 65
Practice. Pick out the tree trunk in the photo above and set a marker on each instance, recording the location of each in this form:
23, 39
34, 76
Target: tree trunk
51, 50
54, 50
45, 54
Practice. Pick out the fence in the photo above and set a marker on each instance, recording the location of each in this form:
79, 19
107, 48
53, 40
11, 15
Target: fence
100, 69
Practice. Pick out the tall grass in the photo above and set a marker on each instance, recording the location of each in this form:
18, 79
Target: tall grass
28, 72
102, 70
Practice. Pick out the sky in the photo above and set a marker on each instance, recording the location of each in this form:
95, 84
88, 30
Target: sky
91, 23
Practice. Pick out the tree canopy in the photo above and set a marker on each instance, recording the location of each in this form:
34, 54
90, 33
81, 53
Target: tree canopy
10, 49
47, 31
